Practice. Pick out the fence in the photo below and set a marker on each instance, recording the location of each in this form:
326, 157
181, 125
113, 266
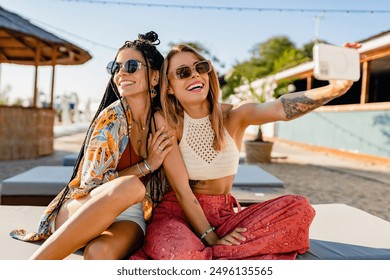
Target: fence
25, 133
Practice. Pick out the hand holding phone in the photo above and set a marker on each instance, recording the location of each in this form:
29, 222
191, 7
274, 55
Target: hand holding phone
336, 63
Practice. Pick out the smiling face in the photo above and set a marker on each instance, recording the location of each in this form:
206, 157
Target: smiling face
131, 84
192, 90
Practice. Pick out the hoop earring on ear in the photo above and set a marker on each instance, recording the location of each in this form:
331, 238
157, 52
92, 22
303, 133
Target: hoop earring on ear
153, 92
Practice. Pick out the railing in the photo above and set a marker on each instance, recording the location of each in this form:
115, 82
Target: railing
25, 133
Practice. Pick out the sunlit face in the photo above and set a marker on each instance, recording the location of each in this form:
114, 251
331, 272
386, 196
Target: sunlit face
190, 90
133, 83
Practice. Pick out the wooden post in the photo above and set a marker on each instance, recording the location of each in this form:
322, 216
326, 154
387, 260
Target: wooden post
53, 72
365, 82
35, 87
309, 82
37, 58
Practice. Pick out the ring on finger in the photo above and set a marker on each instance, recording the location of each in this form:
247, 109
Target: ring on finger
161, 149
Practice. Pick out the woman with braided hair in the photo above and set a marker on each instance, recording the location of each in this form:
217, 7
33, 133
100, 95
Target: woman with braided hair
101, 207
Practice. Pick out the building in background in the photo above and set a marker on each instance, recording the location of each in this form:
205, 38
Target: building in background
356, 124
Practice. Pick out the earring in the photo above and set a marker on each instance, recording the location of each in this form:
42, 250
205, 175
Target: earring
153, 92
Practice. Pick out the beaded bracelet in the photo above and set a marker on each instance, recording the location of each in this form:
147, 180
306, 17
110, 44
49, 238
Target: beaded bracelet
206, 232
148, 166
140, 170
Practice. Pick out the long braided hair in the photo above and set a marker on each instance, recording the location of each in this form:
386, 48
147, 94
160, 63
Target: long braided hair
146, 44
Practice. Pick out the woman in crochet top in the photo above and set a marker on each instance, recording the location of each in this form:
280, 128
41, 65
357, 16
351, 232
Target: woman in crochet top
196, 218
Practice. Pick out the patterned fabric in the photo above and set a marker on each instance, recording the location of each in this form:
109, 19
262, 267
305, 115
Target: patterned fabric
106, 141
276, 229
201, 160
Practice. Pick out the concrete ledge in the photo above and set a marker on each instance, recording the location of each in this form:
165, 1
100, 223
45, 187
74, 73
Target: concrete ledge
337, 232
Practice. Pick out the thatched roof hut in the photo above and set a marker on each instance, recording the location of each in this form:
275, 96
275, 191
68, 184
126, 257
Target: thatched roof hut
22, 42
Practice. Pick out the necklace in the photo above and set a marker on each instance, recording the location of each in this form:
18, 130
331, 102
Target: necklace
141, 130
140, 126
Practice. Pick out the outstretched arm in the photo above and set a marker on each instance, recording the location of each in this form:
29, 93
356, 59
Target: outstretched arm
300, 103
289, 106
292, 105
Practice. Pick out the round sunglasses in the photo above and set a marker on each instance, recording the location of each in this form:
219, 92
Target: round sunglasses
130, 66
183, 72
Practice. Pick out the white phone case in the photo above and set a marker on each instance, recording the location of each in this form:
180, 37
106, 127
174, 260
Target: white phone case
335, 63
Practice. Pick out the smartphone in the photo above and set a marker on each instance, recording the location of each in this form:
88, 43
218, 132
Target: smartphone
335, 63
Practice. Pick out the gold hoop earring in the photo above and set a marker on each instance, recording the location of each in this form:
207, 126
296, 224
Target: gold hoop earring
153, 92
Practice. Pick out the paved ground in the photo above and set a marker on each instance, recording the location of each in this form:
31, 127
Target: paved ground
320, 177
330, 179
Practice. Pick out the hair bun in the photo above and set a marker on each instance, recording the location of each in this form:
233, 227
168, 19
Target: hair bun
150, 37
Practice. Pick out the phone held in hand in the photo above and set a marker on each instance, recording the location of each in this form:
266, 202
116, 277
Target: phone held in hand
335, 63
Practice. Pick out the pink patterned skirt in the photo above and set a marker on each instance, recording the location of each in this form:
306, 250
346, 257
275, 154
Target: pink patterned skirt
276, 229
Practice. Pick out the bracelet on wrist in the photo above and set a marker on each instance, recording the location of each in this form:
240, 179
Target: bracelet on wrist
140, 170
147, 166
207, 232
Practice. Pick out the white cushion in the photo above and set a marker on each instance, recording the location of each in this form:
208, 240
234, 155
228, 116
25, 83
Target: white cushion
41, 180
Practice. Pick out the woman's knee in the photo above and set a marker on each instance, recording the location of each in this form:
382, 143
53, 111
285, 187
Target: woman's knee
174, 243
98, 250
129, 187
304, 205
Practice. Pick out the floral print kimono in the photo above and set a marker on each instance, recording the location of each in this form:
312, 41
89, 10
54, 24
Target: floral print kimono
105, 143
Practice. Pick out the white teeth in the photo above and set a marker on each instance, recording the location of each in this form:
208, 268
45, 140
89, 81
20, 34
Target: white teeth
191, 87
126, 83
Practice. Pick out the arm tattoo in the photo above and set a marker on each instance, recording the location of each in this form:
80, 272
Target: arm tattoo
196, 201
300, 105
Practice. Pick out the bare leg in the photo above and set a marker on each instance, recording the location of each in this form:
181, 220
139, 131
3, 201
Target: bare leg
121, 239
92, 217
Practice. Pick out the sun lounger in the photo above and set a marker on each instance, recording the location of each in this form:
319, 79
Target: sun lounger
341, 232
39, 185
70, 160
253, 176
253, 184
338, 232
16, 217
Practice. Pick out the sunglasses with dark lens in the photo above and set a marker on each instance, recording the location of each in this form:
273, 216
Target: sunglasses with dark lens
130, 66
183, 72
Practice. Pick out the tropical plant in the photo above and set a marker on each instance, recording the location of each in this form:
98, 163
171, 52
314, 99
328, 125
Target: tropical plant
268, 58
4, 95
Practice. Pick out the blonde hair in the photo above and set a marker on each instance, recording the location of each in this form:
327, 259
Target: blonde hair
174, 111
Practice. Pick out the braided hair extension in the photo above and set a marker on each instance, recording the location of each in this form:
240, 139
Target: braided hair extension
146, 44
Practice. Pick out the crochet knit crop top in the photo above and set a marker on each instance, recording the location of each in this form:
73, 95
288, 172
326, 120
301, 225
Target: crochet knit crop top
201, 160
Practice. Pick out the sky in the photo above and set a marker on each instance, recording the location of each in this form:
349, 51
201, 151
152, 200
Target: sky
229, 34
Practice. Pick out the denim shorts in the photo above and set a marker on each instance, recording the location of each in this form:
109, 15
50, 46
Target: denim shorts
134, 213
